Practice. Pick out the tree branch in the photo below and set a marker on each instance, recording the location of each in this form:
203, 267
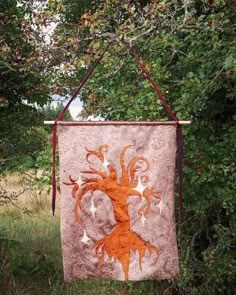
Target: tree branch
7, 65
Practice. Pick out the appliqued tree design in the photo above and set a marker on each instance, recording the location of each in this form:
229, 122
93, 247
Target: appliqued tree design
121, 241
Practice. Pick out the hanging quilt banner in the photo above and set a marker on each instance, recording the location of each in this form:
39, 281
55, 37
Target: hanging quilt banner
117, 200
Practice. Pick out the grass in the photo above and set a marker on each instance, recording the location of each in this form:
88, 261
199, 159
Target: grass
30, 252
30, 259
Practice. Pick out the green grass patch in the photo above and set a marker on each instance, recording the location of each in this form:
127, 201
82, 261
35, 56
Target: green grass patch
31, 262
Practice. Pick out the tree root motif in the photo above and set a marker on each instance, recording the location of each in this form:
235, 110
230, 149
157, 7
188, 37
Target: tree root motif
119, 244
121, 241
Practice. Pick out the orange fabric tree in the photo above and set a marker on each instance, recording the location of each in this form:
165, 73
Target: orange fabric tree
121, 240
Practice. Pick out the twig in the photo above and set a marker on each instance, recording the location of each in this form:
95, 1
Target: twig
31, 176
8, 66
212, 81
141, 34
13, 197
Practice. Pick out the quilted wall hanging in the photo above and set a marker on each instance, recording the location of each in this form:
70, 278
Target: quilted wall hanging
117, 194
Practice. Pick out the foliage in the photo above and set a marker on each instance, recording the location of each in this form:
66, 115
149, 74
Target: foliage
26, 138
23, 84
21, 142
74, 10
21, 70
189, 49
50, 113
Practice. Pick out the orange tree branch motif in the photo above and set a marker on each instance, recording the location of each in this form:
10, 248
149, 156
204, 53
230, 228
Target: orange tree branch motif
119, 243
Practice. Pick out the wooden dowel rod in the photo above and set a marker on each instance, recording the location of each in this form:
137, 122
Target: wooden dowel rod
150, 123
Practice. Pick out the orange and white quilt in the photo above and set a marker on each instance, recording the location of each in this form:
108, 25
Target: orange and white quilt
117, 201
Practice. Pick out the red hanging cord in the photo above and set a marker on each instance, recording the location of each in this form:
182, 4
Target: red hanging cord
149, 78
180, 170
172, 115
60, 115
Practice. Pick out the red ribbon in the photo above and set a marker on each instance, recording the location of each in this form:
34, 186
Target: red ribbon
179, 128
58, 118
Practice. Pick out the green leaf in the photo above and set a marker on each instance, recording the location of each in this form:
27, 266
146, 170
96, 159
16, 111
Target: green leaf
229, 61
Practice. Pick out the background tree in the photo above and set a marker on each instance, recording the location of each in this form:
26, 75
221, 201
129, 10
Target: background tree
24, 84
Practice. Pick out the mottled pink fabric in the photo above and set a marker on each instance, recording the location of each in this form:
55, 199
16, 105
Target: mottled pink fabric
154, 228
